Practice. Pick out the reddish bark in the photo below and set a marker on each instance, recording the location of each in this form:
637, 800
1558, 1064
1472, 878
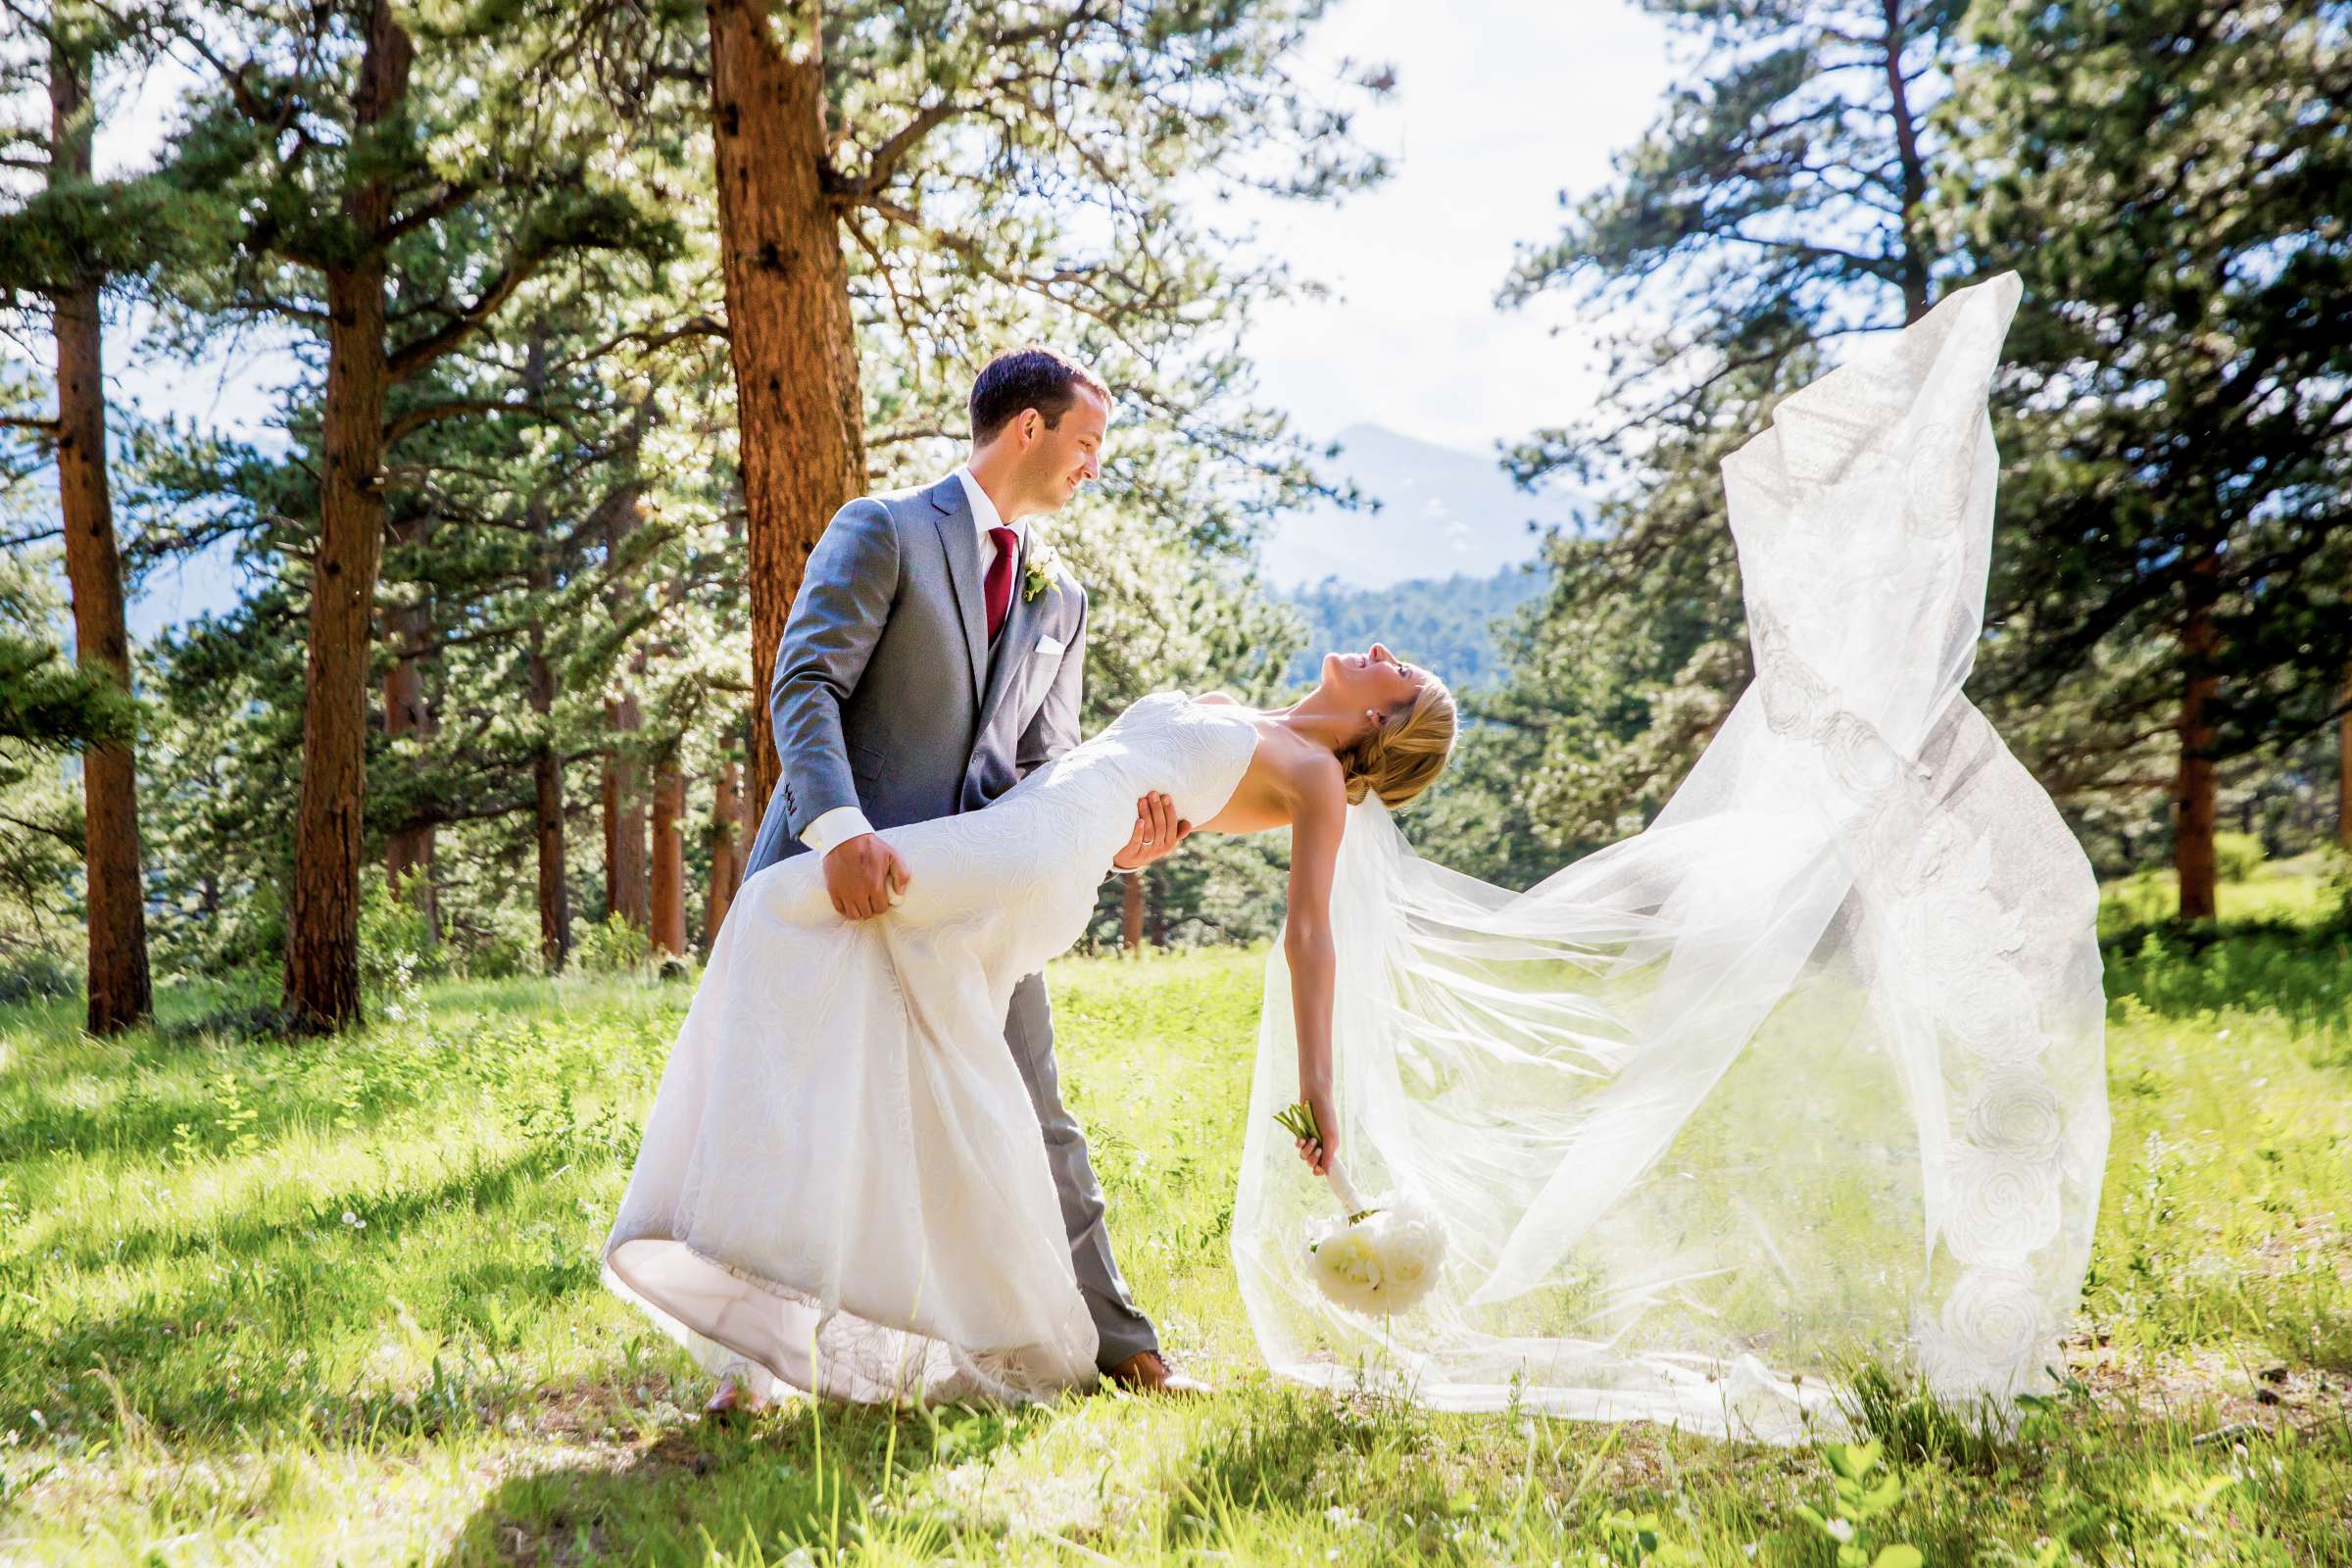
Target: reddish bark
1131, 914
625, 892
635, 896
547, 809
670, 859
2193, 785
726, 858
755, 735
408, 850
609, 788
322, 991
546, 767
120, 990
2343, 768
791, 336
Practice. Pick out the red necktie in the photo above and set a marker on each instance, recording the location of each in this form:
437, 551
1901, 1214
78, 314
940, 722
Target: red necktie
997, 591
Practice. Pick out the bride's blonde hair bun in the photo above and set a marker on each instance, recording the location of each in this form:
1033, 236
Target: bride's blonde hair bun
1404, 756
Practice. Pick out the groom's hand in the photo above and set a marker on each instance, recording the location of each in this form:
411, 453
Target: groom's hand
862, 874
1158, 831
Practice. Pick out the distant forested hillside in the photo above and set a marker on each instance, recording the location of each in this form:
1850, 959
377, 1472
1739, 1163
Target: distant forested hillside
1445, 623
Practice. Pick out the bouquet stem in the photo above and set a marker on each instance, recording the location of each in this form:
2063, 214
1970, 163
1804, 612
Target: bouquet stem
1344, 1190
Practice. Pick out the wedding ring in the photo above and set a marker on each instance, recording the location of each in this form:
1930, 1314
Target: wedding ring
1146, 841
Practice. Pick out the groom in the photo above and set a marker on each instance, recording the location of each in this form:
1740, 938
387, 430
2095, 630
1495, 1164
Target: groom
932, 658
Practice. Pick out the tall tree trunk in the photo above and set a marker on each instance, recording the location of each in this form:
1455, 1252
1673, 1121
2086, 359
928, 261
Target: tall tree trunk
636, 887
323, 930
666, 886
2193, 789
547, 788
408, 850
119, 992
547, 765
790, 334
2343, 768
670, 859
1131, 914
608, 788
726, 860
754, 736
625, 891
1913, 173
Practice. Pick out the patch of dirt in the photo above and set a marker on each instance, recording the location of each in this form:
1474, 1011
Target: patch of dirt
2220, 1394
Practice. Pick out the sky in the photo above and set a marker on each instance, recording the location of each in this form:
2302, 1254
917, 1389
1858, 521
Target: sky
1499, 105
1498, 108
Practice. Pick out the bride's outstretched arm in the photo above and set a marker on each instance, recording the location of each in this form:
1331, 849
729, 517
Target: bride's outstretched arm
1319, 816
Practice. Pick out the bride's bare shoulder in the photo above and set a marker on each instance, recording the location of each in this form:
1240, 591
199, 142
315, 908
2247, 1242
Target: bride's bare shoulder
1221, 699
1309, 773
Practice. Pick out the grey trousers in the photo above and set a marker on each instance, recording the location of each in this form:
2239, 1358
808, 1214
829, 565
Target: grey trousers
1118, 1321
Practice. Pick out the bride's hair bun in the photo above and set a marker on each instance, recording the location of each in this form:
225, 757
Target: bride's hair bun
1404, 756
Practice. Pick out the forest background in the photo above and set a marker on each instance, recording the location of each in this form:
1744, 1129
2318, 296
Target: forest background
582, 316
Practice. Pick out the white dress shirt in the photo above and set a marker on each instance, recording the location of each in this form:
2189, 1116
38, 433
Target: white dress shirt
845, 823
985, 517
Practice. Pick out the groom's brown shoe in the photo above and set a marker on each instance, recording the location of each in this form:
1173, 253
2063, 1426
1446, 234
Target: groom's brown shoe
1147, 1372
731, 1403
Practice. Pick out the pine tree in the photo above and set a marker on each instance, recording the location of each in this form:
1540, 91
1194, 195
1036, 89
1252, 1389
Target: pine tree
64, 246
352, 162
2174, 181
1779, 205
48, 708
911, 180
2344, 765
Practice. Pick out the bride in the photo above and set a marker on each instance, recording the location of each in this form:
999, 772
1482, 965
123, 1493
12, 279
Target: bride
1806, 1074
841, 1188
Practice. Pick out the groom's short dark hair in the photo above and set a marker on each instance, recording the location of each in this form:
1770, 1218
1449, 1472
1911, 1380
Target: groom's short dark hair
1027, 378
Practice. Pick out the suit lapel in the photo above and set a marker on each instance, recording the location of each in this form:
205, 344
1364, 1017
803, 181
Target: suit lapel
1017, 637
960, 537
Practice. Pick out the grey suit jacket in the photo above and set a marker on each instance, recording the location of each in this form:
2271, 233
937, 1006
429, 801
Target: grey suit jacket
887, 695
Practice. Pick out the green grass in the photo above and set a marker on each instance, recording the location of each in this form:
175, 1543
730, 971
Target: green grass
338, 1302
2293, 891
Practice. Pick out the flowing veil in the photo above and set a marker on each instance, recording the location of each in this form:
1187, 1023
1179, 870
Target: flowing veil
1808, 1073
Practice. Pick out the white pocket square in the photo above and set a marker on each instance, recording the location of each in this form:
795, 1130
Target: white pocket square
1051, 645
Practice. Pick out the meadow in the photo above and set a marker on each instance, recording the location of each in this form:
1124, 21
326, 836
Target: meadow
338, 1302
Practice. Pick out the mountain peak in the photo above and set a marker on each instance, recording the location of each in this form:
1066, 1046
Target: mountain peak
1442, 511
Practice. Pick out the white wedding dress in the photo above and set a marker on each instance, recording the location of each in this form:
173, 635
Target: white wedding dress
1806, 1075
841, 1186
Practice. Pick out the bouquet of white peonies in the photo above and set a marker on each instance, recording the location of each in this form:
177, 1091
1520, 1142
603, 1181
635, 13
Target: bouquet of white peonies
1378, 1258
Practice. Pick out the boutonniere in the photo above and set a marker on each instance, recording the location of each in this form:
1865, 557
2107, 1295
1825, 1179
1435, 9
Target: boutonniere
1037, 577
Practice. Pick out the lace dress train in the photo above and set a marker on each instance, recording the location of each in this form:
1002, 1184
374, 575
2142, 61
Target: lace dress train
1808, 1074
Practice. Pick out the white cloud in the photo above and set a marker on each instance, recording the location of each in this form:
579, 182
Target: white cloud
1498, 107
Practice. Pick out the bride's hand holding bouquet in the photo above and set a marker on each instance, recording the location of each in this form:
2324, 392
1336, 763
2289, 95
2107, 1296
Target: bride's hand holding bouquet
1380, 1257
1314, 1123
